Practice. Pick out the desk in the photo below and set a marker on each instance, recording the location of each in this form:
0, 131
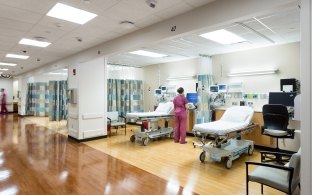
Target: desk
263, 140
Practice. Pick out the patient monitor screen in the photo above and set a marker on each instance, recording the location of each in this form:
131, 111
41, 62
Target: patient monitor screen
157, 92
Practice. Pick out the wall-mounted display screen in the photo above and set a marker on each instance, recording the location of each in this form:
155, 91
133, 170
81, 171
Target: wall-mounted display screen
192, 97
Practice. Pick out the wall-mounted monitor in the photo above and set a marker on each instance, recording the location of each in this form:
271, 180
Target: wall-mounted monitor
214, 88
164, 89
157, 92
222, 88
192, 97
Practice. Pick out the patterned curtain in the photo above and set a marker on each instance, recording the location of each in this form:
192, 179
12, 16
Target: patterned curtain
204, 113
37, 99
57, 100
124, 96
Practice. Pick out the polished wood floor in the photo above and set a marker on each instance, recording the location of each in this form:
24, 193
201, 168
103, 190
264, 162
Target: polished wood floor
37, 158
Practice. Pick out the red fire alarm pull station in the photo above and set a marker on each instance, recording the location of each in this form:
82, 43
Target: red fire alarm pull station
74, 71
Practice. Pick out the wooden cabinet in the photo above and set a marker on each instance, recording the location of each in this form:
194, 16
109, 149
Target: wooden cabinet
255, 135
189, 125
190, 121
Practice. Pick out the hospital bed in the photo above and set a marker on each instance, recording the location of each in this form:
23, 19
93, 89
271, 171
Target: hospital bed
163, 111
227, 145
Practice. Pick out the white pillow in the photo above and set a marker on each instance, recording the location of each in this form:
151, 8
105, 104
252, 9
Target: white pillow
238, 117
165, 107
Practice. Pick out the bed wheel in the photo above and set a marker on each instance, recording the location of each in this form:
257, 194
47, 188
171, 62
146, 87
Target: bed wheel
250, 150
228, 162
202, 156
145, 141
171, 135
132, 138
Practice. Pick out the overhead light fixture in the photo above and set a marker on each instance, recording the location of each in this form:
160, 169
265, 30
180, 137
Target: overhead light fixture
24, 57
57, 73
4, 69
249, 73
71, 14
32, 42
7, 64
223, 36
181, 77
148, 53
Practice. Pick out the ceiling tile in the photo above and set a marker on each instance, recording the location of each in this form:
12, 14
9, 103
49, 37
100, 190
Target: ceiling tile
197, 3
19, 14
42, 6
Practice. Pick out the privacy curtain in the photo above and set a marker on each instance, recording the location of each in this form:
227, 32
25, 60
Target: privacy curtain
124, 96
57, 100
204, 113
37, 99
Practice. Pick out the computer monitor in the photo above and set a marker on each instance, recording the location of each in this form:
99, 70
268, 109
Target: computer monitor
192, 97
214, 88
164, 89
284, 98
157, 92
222, 88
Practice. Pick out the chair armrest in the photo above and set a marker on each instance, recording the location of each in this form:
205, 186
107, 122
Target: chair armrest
290, 169
125, 119
276, 153
110, 120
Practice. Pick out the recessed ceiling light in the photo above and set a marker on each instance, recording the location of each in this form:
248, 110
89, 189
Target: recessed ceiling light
223, 36
9, 55
148, 53
32, 42
7, 64
71, 14
4, 69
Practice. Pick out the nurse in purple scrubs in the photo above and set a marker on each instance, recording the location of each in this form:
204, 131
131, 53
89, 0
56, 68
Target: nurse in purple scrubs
180, 107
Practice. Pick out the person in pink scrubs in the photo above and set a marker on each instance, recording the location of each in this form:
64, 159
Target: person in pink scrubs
180, 107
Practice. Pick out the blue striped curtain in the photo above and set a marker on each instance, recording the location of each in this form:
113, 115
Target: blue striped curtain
37, 99
204, 112
57, 100
124, 96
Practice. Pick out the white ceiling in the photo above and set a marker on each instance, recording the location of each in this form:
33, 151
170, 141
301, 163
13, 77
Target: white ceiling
26, 18
266, 30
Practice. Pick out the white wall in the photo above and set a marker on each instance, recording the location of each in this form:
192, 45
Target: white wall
284, 57
87, 118
7, 84
156, 75
123, 72
305, 115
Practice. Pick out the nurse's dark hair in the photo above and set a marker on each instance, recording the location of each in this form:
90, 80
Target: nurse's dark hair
180, 90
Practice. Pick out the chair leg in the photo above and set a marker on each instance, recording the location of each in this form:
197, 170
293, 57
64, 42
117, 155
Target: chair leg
261, 188
247, 186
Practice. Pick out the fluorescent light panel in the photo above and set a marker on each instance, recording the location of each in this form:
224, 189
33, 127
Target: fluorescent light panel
148, 53
249, 73
181, 77
32, 42
24, 57
71, 14
4, 69
223, 36
7, 64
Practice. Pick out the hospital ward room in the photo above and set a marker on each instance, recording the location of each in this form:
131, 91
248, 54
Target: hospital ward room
212, 111
232, 129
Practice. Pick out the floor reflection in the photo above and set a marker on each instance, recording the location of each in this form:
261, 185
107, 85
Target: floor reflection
37, 160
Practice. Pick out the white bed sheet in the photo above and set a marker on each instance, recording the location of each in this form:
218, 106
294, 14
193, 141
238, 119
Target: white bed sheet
146, 114
219, 127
